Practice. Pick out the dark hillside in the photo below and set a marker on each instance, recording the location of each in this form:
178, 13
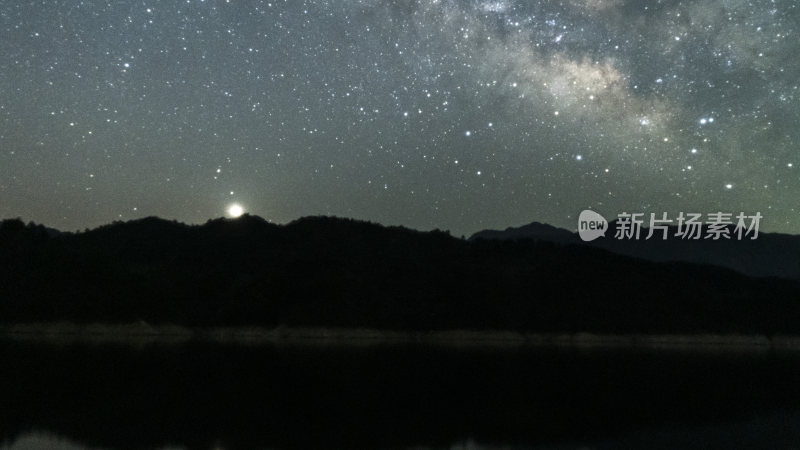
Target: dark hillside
322, 271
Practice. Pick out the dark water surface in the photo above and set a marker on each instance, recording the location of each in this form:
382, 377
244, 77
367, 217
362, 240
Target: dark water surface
210, 396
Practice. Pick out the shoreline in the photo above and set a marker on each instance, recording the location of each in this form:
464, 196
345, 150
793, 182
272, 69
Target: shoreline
145, 333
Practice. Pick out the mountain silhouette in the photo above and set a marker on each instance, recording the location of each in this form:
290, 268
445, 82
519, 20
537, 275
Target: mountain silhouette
332, 272
770, 255
534, 230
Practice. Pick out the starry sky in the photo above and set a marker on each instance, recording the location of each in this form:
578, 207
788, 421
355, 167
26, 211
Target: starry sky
451, 114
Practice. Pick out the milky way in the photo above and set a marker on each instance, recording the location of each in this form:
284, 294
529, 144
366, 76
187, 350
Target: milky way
447, 114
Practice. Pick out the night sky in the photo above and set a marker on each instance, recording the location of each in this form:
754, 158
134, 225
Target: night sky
450, 114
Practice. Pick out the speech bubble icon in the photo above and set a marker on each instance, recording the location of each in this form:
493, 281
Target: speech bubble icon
591, 225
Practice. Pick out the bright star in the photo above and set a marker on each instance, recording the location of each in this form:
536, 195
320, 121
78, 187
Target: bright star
235, 210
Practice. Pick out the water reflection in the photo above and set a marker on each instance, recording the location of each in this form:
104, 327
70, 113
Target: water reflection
236, 396
39, 440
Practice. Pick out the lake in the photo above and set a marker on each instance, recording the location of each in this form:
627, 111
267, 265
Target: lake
235, 396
